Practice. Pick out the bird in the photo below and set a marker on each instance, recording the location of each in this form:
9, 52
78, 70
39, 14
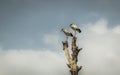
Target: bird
67, 32
75, 28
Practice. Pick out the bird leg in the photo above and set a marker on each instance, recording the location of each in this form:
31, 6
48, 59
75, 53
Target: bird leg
75, 33
66, 38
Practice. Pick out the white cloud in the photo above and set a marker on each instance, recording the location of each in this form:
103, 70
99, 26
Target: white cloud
100, 27
117, 29
101, 50
52, 40
30, 62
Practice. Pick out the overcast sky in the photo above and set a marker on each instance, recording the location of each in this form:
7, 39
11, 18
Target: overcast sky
30, 36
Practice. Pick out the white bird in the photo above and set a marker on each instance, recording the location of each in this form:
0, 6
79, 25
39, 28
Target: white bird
67, 32
75, 28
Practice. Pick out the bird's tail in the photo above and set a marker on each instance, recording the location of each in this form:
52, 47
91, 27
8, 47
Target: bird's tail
71, 35
78, 30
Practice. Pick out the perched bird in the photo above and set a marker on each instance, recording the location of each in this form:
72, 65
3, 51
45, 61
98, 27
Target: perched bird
75, 28
67, 32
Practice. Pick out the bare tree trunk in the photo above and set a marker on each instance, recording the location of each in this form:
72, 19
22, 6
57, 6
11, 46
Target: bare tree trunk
73, 58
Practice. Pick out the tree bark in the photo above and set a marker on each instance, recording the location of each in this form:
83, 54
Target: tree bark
73, 58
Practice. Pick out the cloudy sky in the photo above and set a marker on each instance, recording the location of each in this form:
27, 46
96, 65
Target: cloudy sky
30, 36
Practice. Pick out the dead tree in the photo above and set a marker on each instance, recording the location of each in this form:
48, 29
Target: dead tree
73, 58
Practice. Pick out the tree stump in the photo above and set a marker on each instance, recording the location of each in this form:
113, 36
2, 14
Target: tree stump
73, 58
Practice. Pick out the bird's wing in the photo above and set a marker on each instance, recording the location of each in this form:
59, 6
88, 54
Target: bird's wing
74, 26
67, 31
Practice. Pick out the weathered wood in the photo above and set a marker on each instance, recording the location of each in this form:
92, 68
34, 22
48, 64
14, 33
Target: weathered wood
73, 58
65, 48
